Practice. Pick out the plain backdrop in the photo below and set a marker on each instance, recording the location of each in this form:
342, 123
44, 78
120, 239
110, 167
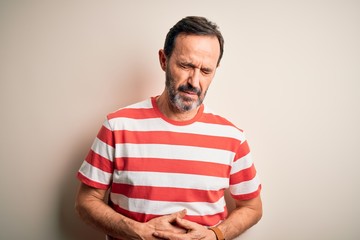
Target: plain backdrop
290, 77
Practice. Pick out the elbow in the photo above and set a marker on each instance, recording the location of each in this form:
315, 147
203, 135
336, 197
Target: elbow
81, 210
78, 207
259, 215
256, 210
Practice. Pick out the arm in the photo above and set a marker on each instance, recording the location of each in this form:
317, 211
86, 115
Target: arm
93, 210
245, 215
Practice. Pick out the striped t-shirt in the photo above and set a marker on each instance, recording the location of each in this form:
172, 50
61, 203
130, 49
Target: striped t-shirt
156, 166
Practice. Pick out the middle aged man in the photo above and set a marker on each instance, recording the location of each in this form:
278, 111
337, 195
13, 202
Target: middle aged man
168, 160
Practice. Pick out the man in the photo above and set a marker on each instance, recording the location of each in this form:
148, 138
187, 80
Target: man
167, 161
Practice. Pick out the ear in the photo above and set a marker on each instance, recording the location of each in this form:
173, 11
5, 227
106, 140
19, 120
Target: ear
162, 59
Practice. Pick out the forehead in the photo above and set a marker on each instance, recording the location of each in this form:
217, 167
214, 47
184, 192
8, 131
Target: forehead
197, 47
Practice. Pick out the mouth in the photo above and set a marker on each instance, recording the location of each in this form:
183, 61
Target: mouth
189, 95
190, 92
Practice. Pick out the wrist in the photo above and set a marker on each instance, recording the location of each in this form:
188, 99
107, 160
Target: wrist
213, 234
217, 232
131, 229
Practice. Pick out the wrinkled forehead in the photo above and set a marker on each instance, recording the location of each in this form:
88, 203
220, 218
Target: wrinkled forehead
197, 46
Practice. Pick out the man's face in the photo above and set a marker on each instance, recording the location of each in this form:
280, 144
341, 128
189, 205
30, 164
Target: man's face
190, 70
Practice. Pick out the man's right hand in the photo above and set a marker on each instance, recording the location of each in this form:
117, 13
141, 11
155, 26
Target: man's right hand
165, 223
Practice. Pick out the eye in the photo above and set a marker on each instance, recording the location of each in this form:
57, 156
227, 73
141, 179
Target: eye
206, 71
184, 66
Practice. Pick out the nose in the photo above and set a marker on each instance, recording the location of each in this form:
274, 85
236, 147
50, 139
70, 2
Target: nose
194, 78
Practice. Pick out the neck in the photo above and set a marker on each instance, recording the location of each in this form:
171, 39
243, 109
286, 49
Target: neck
172, 112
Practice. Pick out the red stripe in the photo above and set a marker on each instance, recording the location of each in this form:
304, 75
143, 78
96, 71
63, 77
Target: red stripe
106, 136
145, 113
206, 220
174, 138
172, 166
100, 162
243, 175
90, 182
242, 150
248, 196
135, 113
216, 119
167, 193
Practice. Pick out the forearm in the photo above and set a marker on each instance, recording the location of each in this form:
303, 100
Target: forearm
91, 207
94, 211
241, 218
107, 220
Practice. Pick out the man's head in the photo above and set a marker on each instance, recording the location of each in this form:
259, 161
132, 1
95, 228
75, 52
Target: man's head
192, 52
193, 25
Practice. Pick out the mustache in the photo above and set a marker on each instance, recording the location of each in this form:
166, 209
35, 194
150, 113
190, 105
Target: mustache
189, 88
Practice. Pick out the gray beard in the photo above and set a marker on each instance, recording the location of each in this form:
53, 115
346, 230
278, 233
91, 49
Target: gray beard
182, 104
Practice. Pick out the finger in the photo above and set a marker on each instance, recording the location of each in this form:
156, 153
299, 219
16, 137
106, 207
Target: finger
172, 217
168, 235
174, 229
160, 235
185, 223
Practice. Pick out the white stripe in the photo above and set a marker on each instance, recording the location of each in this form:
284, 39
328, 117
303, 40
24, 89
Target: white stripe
164, 207
241, 164
146, 104
95, 174
217, 130
107, 125
245, 187
174, 152
157, 124
175, 180
103, 149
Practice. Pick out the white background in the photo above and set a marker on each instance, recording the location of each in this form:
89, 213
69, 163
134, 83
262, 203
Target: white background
290, 77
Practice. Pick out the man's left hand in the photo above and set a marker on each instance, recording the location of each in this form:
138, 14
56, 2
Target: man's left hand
194, 231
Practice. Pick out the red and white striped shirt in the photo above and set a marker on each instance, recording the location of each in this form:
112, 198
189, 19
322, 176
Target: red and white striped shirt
157, 166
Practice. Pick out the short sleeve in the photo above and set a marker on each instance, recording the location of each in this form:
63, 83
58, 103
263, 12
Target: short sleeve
97, 168
244, 180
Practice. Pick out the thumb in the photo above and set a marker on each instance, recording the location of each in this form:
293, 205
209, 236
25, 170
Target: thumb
181, 214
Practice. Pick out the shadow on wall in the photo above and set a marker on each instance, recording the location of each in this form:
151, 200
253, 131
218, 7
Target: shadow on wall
128, 88
71, 227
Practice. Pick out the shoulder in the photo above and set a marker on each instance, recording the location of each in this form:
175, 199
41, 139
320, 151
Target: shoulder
131, 111
222, 124
213, 118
